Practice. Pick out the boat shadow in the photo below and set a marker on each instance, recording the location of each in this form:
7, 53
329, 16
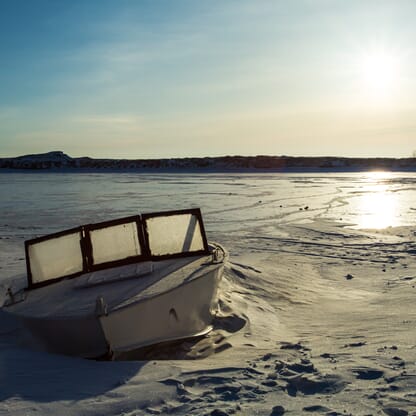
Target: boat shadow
44, 377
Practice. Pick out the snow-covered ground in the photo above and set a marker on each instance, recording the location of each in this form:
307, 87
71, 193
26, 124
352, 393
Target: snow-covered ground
317, 302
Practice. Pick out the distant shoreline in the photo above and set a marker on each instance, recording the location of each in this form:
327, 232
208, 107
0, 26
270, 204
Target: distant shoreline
58, 161
200, 171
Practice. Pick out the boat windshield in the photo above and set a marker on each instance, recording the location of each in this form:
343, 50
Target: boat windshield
173, 234
91, 247
58, 256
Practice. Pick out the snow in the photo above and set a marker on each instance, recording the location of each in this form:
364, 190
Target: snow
317, 311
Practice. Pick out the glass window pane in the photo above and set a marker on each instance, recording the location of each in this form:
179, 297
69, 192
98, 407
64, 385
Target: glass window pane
57, 257
115, 242
174, 234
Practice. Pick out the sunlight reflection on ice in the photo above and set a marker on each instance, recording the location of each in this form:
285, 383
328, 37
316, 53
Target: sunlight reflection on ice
377, 207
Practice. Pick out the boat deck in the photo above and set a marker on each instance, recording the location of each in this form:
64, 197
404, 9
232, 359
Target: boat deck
119, 287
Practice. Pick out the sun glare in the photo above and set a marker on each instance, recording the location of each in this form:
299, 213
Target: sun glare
378, 210
377, 206
379, 71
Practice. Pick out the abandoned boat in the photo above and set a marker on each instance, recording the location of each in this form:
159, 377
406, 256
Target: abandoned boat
108, 288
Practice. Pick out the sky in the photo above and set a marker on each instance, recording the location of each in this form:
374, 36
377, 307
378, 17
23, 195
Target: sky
177, 78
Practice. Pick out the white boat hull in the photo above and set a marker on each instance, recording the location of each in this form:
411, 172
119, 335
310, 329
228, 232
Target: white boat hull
119, 285
183, 311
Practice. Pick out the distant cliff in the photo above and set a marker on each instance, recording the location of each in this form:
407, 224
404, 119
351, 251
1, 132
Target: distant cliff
59, 160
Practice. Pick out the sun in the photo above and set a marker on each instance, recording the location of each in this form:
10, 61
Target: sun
380, 72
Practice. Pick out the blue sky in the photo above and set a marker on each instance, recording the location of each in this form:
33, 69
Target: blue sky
192, 78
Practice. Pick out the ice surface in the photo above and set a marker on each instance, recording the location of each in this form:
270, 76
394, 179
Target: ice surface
316, 305
39, 203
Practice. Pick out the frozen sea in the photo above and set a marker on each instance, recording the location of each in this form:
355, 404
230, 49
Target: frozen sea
316, 313
40, 203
